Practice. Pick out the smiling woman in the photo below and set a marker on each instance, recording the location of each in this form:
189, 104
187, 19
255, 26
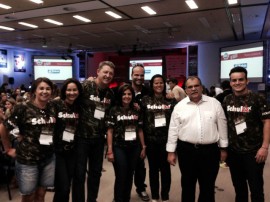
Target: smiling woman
35, 154
66, 124
125, 141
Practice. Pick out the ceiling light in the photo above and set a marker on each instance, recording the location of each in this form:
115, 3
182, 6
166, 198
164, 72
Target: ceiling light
37, 1
191, 4
230, 2
53, 22
7, 28
28, 25
149, 10
81, 18
4, 6
113, 14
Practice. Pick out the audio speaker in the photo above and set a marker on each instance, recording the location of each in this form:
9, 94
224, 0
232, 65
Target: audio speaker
11, 80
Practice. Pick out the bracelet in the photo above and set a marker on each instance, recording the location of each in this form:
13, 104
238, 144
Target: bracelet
144, 146
109, 153
264, 148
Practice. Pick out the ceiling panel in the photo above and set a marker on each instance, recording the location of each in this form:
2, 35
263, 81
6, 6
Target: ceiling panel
173, 25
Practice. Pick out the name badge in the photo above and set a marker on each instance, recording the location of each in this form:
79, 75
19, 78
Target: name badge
160, 120
240, 127
45, 139
130, 133
68, 136
99, 113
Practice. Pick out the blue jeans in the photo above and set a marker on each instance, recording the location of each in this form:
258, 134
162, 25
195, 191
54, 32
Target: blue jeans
64, 172
125, 159
90, 150
246, 171
30, 177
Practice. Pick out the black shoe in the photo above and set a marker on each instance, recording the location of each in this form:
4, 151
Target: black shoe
144, 196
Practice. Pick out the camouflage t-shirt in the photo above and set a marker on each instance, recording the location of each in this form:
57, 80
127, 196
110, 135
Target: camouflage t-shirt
124, 120
35, 125
249, 110
155, 111
96, 103
66, 124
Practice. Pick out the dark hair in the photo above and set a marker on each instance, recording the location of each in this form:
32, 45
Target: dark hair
136, 65
64, 88
225, 85
103, 63
38, 81
192, 78
121, 91
152, 83
239, 69
173, 80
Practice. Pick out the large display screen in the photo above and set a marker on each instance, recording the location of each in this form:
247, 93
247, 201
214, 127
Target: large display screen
151, 67
57, 69
249, 56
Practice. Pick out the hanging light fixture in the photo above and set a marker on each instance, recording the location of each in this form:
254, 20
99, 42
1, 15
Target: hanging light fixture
44, 45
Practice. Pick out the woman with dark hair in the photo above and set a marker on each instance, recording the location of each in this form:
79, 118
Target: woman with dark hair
35, 160
125, 142
66, 124
157, 113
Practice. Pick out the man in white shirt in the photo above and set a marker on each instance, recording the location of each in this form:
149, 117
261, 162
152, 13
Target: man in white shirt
199, 127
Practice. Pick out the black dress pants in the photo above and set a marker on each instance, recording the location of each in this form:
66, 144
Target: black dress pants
198, 163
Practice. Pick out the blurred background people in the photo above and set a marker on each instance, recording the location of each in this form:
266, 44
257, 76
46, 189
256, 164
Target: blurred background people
178, 92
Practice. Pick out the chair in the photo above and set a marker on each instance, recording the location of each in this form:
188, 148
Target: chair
6, 165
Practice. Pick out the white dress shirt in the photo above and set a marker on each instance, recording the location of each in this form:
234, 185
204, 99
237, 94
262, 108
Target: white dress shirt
198, 123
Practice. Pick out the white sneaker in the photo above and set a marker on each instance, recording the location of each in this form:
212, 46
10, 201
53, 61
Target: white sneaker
154, 200
166, 201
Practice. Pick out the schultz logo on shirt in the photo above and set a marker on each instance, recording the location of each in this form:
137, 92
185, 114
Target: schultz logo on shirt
67, 115
40, 121
158, 106
244, 109
124, 117
97, 99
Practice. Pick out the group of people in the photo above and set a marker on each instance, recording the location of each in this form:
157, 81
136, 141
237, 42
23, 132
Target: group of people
63, 139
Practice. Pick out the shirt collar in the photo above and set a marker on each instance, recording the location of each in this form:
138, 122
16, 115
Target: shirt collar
203, 99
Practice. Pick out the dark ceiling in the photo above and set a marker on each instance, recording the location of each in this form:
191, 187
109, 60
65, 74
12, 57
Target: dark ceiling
174, 25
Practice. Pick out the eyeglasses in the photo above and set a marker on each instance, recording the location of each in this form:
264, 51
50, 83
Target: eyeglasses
195, 86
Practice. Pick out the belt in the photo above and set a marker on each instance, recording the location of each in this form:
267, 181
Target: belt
198, 146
